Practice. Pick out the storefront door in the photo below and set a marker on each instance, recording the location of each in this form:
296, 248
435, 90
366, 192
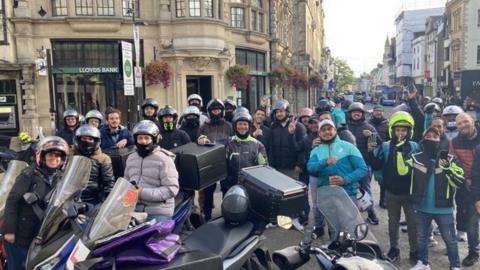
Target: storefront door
201, 85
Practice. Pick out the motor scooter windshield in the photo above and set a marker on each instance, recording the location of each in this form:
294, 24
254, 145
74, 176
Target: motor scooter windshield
75, 178
15, 167
116, 212
339, 210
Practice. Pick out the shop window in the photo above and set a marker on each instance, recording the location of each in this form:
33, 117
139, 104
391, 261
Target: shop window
208, 8
85, 54
105, 8
84, 7
180, 8
238, 18
129, 6
194, 8
59, 7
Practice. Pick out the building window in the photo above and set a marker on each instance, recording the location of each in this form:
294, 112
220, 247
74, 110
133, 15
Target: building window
237, 15
261, 27
180, 8
478, 55
208, 8
478, 18
105, 8
194, 8
59, 7
256, 87
253, 18
128, 6
84, 7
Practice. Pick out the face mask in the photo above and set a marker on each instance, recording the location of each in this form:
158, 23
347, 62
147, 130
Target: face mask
451, 125
193, 122
229, 116
145, 150
86, 148
215, 119
431, 147
168, 126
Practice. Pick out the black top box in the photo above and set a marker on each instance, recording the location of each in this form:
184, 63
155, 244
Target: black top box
200, 166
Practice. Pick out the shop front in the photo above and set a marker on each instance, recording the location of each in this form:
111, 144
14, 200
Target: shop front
251, 98
87, 75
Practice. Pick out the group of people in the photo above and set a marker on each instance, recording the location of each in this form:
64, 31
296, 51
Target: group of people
422, 159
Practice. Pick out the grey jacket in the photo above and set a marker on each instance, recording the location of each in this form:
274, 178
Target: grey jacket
158, 177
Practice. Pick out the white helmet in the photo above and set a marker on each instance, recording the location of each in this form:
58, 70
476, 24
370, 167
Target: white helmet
452, 110
195, 97
364, 202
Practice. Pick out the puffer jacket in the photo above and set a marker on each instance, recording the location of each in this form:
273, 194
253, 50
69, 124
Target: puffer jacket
174, 138
19, 216
67, 134
357, 128
381, 125
282, 153
101, 180
217, 132
158, 177
346, 134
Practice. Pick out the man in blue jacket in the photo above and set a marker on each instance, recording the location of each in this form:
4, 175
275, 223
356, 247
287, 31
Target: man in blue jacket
113, 134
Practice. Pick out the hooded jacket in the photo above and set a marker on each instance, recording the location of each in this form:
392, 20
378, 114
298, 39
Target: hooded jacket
283, 152
350, 164
158, 177
101, 180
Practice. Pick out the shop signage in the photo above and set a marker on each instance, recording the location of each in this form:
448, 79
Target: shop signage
128, 80
77, 70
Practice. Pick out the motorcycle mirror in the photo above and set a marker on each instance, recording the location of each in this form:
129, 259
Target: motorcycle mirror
284, 222
70, 210
361, 231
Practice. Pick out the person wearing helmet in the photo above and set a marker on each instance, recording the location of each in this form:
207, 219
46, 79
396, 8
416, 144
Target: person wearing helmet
426, 100
21, 222
463, 147
114, 135
435, 177
149, 110
191, 122
87, 144
342, 130
362, 131
215, 130
438, 101
389, 157
171, 137
336, 162
94, 118
230, 106
153, 169
285, 134
197, 101
325, 105
304, 115
449, 114
259, 130
242, 150
70, 124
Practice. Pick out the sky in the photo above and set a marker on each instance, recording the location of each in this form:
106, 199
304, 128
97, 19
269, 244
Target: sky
356, 30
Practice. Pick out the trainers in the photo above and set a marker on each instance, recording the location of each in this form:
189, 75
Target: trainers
471, 259
297, 225
394, 254
432, 242
461, 236
372, 219
404, 228
420, 266
318, 232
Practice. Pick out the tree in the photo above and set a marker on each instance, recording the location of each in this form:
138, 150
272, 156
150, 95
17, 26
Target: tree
343, 75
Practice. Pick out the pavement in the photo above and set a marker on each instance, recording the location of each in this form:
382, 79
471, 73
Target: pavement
278, 238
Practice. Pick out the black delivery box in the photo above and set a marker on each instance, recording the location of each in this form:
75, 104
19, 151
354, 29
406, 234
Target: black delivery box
272, 193
200, 166
119, 159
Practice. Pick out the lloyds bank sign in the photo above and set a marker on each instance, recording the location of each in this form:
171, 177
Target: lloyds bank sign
84, 70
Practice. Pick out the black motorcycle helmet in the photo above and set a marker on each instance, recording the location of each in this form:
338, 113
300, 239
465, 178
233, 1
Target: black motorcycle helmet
324, 105
215, 104
281, 104
242, 116
149, 102
235, 206
85, 148
165, 111
230, 107
346, 104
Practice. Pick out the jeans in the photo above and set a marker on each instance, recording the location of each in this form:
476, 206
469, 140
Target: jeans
16, 256
446, 225
395, 203
467, 218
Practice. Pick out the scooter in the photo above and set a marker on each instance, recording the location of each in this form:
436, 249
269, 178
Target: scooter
352, 246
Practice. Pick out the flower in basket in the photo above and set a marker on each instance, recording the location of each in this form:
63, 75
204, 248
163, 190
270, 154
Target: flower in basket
279, 75
238, 76
297, 80
158, 72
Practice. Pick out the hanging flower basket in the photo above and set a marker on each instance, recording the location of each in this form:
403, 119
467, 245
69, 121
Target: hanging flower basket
158, 72
279, 76
238, 76
297, 80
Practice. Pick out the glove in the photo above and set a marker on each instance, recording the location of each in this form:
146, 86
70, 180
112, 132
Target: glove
24, 137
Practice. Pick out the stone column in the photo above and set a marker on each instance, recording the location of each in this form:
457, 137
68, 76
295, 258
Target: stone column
30, 117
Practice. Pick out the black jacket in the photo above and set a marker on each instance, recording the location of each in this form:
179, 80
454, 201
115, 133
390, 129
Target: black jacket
19, 217
475, 176
357, 128
101, 180
67, 134
346, 134
265, 138
283, 152
419, 118
217, 132
381, 125
174, 138
192, 131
